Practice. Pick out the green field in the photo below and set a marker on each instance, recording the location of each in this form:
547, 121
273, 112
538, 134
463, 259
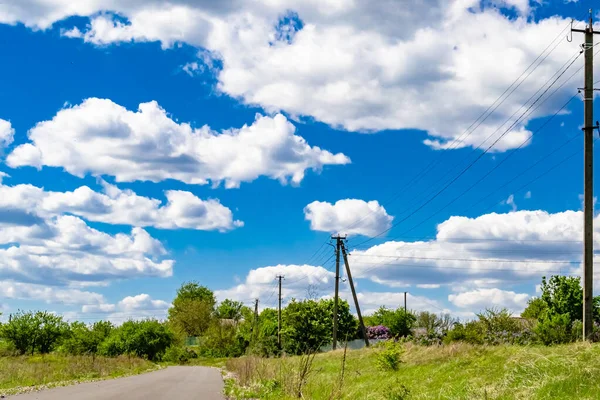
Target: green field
23, 373
457, 371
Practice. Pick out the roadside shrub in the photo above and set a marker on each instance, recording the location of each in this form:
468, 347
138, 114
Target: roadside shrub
388, 359
378, 332
222, 340
147, 339
178, 355
554, 329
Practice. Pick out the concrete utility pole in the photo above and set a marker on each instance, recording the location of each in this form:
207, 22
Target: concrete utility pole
405, 302
280, 277
588, 192
338, 239
351, 282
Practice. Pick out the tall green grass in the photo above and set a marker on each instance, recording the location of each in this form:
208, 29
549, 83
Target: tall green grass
25, 372
457, 371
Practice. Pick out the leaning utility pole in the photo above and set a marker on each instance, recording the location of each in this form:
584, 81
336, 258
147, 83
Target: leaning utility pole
280, 277
405, 302
349, 274
588, 193
338, 239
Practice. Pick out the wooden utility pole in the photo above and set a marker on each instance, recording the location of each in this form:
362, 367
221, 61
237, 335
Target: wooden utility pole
405, 302
351, 282
588, 192
338, 239
255, 325
280, 277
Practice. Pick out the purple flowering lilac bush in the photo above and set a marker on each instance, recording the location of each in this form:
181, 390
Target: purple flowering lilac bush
378, 332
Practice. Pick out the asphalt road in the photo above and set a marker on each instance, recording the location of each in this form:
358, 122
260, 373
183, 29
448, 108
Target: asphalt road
172, 383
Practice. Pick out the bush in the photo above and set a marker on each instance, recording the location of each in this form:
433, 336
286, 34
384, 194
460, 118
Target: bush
178, 355
83, 339
222, 340
388, 359
378, 332
397, 392
147, 339
398, 321
554, 329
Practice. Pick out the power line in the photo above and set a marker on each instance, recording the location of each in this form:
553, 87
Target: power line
467, 259
476, 159
472, 127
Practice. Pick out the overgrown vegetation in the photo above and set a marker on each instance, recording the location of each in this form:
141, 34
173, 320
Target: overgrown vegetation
455, 371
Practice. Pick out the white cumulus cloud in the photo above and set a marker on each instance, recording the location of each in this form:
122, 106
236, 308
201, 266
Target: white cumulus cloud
63, 250
100, 137
7, 133
492, 249
48, 294
490, 298
358, 65
116, 206
351, 216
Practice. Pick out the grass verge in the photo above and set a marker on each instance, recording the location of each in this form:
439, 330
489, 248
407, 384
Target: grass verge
457, 371
29, 373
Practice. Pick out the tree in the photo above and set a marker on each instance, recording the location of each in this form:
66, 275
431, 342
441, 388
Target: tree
308, 325
29, 331
536, 307
20, 331
84, 339
230, 309
398, 321
190, 317
563, 295
192, 309
194, 291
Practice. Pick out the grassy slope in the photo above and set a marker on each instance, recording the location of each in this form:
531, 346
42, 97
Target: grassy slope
19, 374
458, 371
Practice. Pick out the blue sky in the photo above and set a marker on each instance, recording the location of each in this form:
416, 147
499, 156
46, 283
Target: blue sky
296, 120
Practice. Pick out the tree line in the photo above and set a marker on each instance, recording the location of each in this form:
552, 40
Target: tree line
231, 329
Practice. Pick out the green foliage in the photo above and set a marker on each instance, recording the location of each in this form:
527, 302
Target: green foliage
178, 355
388, 359
83, 339
433, 323
194, 291
554, 329
263, 339
230, 309
33, 331
399, 322
396, 392
536, 307
190, 317
563, 295
492, 327
222, 340
147, 339
308, 325
192, 309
